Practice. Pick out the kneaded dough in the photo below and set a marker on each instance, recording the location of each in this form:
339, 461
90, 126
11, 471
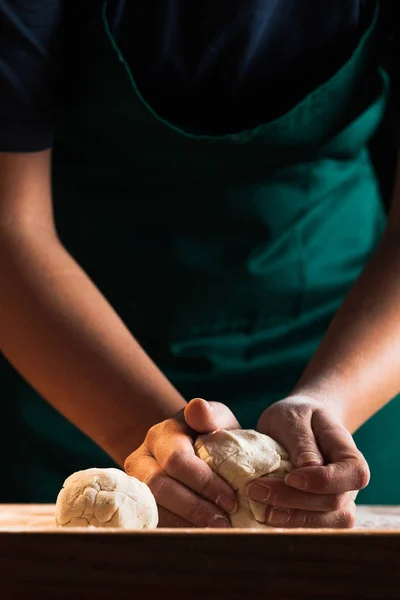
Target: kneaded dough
241, 456
105, 498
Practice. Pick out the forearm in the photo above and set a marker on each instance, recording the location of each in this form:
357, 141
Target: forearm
68, 343
357, 365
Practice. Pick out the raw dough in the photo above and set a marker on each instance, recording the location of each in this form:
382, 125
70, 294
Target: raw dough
241, 456
105, 498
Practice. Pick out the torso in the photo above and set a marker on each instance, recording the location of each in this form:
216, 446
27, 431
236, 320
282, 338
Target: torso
218, 67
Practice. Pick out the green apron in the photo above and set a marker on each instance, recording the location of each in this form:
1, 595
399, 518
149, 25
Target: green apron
226, 256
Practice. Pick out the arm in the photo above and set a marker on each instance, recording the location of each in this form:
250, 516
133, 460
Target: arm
65, 339
354, 372
58, 330
357, 364
55, 326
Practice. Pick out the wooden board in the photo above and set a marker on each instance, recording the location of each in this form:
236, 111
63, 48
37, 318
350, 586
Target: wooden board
41, 561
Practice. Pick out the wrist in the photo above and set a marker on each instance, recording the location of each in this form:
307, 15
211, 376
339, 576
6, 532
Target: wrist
327, 399
121, 444
130, 435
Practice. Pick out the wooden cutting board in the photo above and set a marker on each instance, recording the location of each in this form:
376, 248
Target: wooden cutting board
40, 517
41, 561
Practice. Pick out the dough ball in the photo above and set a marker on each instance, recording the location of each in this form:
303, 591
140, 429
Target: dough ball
105, 498
240, 457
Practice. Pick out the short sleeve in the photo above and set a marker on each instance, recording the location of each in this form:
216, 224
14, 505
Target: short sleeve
389, 54
28, 38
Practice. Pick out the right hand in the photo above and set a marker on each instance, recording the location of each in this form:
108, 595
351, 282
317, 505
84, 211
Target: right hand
187, 491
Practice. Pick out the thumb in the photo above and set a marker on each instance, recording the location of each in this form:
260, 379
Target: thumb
303, 450
296, 436
206, 417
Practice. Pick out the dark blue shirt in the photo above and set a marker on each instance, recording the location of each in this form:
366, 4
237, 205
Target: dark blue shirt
211, 65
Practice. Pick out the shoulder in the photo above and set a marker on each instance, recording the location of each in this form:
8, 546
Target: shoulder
28, 35
35, 36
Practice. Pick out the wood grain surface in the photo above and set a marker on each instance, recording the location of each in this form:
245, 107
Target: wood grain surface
38, 560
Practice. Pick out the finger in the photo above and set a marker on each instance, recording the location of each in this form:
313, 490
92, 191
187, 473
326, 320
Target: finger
348, 469
206, 417
181, 463
167, 519
292, 428
177, 498
335, 441
274, 492
340, 519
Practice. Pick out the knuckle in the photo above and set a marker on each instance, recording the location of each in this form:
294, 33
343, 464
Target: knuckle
153, 433
199, 515
203, 484
295, 415
362, 474
348, 518
301, 519
128, 465
171, 520
338, 501
173, 463
325, 477
313, 520
303, 443
290, 413
131, 463
157, 483
202, 515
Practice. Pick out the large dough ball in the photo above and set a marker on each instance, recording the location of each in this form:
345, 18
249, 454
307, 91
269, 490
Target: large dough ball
105, 498
241, 456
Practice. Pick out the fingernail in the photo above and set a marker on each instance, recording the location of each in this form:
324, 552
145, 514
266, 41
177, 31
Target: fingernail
259, 492
296, 481
278, 516
308, 458
227, 503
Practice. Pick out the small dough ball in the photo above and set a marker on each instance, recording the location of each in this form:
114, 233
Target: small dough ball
105, 498
240, 457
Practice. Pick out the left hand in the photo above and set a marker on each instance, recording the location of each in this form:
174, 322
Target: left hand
328, 472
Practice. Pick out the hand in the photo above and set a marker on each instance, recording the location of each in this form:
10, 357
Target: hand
187, 491
329, 470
